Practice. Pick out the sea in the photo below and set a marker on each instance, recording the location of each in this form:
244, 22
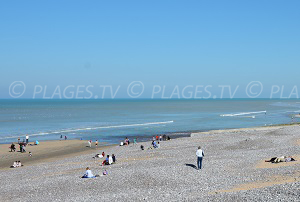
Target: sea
110, 121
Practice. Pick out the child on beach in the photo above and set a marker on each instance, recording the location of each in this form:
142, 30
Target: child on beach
30, 154
12, 147
114, 158
96, 143
126, 141
154, 144
88, 173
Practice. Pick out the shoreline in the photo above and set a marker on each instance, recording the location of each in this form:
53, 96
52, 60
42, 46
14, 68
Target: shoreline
176, 134
52, 150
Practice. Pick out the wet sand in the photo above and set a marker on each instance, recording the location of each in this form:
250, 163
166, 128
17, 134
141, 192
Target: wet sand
46, 151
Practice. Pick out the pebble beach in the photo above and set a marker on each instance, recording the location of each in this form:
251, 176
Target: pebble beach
233, 170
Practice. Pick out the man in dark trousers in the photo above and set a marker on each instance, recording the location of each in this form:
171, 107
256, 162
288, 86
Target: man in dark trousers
200, 156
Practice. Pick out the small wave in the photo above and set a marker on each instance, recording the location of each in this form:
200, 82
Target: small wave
253, 117
95, 128
297, 111
244, 113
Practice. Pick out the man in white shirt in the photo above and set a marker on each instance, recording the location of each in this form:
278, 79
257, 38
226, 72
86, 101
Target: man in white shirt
200, 156
27, 139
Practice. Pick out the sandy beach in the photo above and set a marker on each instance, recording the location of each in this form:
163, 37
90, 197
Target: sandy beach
233, 169
44, 152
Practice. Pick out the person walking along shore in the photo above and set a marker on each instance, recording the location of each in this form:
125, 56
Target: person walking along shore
200, 155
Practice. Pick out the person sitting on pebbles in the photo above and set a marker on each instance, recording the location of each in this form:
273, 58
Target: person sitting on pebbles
107, 161
15, 164
154, 144
88, 173
110, 160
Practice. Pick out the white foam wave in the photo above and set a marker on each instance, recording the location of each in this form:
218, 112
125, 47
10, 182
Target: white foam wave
253, 117
95, 128
244, 113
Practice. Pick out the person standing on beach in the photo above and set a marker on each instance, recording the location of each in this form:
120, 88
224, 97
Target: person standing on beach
65, 137
61, 137
90, 143
96, 143
200, 156
27, 139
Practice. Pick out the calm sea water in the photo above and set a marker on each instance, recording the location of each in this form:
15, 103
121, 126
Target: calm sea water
112, 120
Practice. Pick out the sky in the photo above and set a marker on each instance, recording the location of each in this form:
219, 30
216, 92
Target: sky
163, 44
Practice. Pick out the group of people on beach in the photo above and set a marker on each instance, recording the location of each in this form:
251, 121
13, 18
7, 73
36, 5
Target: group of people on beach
22, 147
127, 142
108, 160
161, 138
61, 137
90, 143
154, 145
16, 164
281, 159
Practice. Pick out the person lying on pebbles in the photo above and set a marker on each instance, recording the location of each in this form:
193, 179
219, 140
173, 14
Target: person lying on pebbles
98, 156
281, 159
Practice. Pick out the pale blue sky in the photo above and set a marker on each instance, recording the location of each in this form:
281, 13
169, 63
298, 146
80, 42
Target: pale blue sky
157, 42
